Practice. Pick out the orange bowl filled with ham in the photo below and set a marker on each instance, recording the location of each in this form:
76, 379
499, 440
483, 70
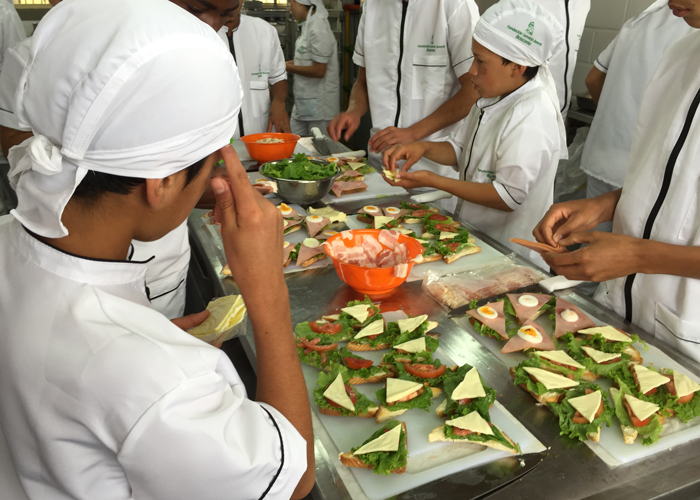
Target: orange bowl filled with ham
373, 261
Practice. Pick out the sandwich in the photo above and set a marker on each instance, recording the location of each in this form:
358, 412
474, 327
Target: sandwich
337, 398
568, 318
601, 364
430, 253
400, 395
681, 398
410, 351
489, 320
466, 392
326, 330
529, 336
291, 225
610, 340
315, 224
374, 337
352, 163
288, 212
472, 427
636, 416
308, 252
360, 313
367, 214
558, 362
543, 385
385, 452
582, 412
345, 187
452, 246
430, 372
384, 222
361, 370
415, 212
435, 224
351, 175
530, 306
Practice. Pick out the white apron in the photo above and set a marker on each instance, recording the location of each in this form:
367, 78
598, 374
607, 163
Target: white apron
103, 398
660, 200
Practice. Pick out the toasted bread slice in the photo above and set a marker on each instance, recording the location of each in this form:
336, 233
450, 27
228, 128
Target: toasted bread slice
226, 270
354, 346
371, 411
385, 414
432, 325
293, 229
313, 260
547, 397
466, 251
371, 380
431, 258
634, 353
365, 219
629, 434
412, 220
352, 460
286, 264
438, 434
428, 236
440, 410
331, 318
589, 376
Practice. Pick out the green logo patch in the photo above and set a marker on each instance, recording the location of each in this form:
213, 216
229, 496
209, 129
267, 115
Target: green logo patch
526, 37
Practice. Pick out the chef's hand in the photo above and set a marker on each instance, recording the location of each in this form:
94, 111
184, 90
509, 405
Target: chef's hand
252, 233
278, 118
410, 152
347, 121
191, 320
563, 219
607, 256
208, 199
390, 136
413, 180
288, 65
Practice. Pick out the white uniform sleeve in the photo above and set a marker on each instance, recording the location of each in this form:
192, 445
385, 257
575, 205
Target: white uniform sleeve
15, 61
278, 69
461, 22
358, 56
322, 45
603, 60
12, 31
205, 439
525, 146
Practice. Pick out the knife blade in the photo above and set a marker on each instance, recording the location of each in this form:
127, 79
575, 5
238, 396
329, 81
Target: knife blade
318, 140
479, 481
462, 310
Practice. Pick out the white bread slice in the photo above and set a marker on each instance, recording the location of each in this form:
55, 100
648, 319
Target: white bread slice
351, 460
438, 434
385, 414
371, 411
430, 258
331, 317
293, 229
313, 260
635, 354
465, 251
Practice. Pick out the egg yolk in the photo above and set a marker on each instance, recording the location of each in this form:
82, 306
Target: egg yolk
529, 331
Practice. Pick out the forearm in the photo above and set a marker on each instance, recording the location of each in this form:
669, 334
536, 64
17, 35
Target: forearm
440, 152
278, 93
608, 203
359, 97
594, 82
655, 257
10, 137
314, 71
483, 194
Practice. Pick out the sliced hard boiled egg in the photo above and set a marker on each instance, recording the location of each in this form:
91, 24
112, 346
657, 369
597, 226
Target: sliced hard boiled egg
314, 218
392, 210
331, 159
329, 233
286, 244
370, 209
569, 316
530, 334
527, 301
487, 312
285, 209
260, 180
311, 243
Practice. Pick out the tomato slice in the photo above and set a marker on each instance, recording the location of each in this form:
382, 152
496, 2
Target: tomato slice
424, 371
446, 228
438, 217
356, 364
420, 213
635, 421
671, 386
313, 345
415, 206
453, 246
464, 401
329, 328
351, 393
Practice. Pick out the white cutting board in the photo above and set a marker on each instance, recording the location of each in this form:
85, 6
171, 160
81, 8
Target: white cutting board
611, 448
377, 187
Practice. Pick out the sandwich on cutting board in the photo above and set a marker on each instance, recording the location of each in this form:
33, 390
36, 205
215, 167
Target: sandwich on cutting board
465, 391
472, 427
401, 395
337, 398
385, 452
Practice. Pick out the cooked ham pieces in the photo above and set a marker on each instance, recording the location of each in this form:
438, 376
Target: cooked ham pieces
497, 324
562, 326
305, 253
316, 227
525, 313
293, 215
286, 251
517, 343
351, 173
340, 187
290, 223
371, 253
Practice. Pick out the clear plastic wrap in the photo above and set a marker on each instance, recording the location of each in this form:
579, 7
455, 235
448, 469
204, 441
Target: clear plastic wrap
494, 277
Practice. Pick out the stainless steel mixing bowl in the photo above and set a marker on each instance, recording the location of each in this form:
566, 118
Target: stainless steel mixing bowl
303, 192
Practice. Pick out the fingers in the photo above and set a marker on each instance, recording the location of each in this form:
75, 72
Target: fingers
223, 210
191, 320
240, 187
269, 125
543, 232
333, 129
390, 157
410, 161
581, 238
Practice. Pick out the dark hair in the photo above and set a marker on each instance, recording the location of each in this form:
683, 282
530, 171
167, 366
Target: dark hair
530, 71
95, 184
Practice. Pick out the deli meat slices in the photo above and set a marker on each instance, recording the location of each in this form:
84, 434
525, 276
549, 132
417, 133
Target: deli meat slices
340, 187
372, 253
525, 307
315, 226
388, 238
529, 336
286, 250
572, 320
305, 253
497, 324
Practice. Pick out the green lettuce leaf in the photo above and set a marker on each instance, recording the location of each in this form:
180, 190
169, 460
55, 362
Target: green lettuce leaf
566, 413
651, 431
423, 401
403, 374
304, 330
383, 462
314, 359
362, 405
361, 372
348, 320
522, 377
481, 405
480, 438
299, 167
618, 369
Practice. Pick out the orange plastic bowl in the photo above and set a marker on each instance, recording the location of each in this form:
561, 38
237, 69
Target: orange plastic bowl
373, 280
262, 153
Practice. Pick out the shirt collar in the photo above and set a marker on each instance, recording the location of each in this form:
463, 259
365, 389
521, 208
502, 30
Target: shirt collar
493, 103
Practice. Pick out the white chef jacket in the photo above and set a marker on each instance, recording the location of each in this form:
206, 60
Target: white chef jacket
665, 149
104, 398
629, 61
316, 98
407, 80
11, 28
572, 15
15, 60
260, 60
512, 143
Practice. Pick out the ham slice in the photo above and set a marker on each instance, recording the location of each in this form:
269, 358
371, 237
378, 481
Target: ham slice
372, 247
340, 187
525, 313
562, 326
497, 324
324, 235
316, 227
352, 173
395, 215
517, 343
289, 223
305, 253
294, 215
286, 251
388, 238
538, 247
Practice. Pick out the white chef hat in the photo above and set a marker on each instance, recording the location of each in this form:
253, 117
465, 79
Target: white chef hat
321, 10
525, 33
134, 88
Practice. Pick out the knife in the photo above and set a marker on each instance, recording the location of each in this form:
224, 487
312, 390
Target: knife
324, 145
479, 481
462, 310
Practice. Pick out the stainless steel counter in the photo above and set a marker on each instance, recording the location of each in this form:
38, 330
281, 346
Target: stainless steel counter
571, 471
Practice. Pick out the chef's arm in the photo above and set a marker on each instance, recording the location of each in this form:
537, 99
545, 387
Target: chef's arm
10, 137
595, 81
316, 70
358, 105
439, 152
278, 117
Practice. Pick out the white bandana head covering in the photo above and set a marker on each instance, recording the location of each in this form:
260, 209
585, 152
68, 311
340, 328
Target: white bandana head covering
525, 33
321, 12
134, 88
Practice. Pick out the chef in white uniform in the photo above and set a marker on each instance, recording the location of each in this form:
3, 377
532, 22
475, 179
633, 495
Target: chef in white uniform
508, 148
11, 28
102, 396
650, 264
315, 69
255, 46
617, 82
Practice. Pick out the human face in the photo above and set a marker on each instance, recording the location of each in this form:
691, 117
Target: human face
299, 11
689, 10
213, 12
490, 77
233, 22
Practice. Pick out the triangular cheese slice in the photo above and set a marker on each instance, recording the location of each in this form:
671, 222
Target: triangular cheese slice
360, 312
444, 235
600, 356
684, 384
470, 387
422, 242
410, 324
355, 165
336, 392
380, 220
560, 357
472, 422
608, 333
389, 441
550, 380
402, 230
374, 328
414, 346
648, 379
587, 405
641, 409
397, 388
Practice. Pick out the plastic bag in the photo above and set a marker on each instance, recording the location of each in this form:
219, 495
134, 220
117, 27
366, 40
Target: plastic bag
570, 181
494, 277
